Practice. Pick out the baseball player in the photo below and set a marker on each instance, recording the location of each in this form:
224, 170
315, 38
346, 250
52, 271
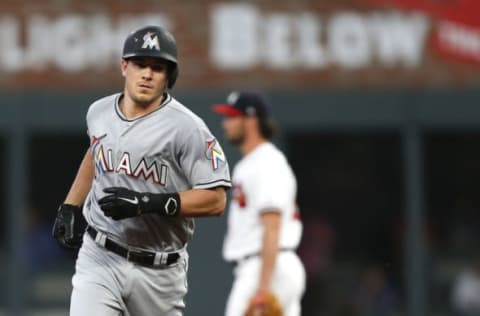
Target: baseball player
264, 228
151, 166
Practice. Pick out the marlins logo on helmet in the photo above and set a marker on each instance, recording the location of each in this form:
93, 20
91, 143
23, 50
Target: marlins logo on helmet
150, 40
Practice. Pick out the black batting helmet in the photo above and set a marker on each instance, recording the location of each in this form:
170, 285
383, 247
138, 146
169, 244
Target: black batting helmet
153, 41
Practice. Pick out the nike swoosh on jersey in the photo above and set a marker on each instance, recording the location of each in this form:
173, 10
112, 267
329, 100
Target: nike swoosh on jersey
132, 201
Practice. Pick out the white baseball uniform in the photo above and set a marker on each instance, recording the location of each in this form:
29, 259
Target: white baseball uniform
168, 150
263, 181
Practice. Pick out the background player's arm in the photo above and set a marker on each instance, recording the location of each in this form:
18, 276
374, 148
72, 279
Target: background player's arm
271, 223
83, 181
203, 202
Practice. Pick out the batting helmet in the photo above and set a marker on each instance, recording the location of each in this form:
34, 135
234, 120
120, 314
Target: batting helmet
153, 41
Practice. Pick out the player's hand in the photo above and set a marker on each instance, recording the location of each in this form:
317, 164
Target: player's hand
69, 226
258, 302
264, 303
121, 203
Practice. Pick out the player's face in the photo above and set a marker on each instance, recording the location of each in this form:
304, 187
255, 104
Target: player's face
234, 128
145, 79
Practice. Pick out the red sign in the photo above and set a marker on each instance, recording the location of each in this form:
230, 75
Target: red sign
456, 33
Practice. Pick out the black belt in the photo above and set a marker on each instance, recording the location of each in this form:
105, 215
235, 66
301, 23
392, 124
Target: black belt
144, 258
256, 254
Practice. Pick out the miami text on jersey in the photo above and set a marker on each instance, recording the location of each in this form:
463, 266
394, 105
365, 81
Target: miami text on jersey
215, 153
96, 141
104, 163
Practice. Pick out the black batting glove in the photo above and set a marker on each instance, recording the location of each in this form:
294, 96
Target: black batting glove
69, 226
121, 203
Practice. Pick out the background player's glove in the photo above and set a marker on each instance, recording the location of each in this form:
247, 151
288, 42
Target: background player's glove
264, 304
69, 226
123, 203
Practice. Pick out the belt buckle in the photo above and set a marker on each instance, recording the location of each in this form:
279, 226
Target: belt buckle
132, 251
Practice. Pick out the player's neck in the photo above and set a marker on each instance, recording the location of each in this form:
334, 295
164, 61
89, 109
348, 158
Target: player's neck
251, 143
132, 110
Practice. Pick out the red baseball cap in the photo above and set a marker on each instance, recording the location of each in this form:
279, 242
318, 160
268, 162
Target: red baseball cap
243, 104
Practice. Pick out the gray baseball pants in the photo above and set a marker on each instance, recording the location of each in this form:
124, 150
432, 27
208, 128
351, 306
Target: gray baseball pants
106, 284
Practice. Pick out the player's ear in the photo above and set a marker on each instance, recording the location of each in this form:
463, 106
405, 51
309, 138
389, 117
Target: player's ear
123, 66
250, 122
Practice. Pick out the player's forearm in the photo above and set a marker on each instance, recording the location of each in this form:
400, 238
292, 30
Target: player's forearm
83, 181
199, 202
269, 250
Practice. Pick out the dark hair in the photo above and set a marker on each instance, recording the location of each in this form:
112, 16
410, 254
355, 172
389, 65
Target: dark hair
268, 127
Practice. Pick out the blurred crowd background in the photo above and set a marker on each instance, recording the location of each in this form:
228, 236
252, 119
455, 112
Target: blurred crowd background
378, 107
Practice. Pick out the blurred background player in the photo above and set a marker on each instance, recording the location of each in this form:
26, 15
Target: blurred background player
264, 228
151, 166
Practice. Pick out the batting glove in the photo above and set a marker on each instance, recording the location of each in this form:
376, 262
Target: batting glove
69, 226
121, 203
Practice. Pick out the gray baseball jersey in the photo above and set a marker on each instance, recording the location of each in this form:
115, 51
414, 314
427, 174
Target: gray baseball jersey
168, 150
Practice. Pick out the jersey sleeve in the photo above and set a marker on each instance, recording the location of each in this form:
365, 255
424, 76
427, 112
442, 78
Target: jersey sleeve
203, 160
87, 121
272, 188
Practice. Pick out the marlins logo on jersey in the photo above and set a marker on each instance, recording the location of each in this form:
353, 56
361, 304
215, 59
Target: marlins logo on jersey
215, 153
